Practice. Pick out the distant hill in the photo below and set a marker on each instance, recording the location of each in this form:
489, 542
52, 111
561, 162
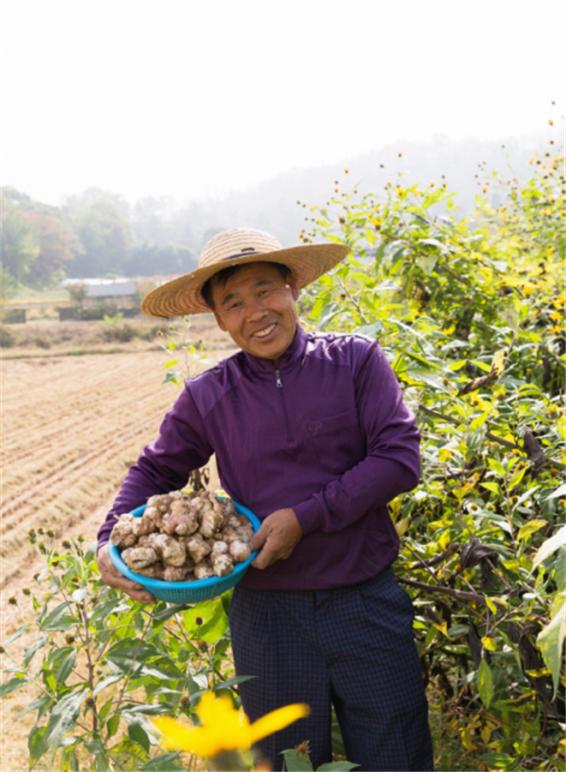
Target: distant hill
272, 205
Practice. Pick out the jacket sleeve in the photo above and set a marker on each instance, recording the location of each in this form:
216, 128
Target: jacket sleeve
392, 463
164, 465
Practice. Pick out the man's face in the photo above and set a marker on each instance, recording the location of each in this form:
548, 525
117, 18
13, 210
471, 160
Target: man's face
256, 307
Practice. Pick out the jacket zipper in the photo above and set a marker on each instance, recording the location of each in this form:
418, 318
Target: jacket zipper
279, 385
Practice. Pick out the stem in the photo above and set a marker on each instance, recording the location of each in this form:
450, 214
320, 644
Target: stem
90, 665
446, 590
353, 300
450, 550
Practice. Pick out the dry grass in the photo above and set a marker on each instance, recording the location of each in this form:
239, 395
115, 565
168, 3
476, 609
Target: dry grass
47, 336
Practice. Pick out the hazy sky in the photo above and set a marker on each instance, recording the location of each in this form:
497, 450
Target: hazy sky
192, 98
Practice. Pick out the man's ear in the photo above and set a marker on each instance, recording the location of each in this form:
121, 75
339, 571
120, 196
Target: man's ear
292, 283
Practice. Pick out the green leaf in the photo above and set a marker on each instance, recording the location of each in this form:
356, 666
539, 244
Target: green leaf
337, 765
108, 681
525, 496
130, 654
145, 710
370, 330
18, 634
66, 665
63, 717
106, 710
550, 641
497, 466
296, 761
59, 619
69, 762
138, 734
436, 380
99, 752
550, 545
559, 492
161, 668
223, 685
532, 526
33, 648
212, 617
12, 685
40, 705
37, 744
215, 628
161, 763
127, 750
560, 569
112, 724
169, 611
516, 479
485, 683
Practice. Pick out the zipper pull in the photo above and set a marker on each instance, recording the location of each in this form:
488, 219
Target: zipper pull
278, 381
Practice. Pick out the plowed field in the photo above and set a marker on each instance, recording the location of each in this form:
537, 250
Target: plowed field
71, 426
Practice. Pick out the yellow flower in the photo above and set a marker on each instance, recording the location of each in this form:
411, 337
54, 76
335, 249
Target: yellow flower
223, 728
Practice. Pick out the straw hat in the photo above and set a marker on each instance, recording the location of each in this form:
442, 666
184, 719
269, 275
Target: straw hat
239, 247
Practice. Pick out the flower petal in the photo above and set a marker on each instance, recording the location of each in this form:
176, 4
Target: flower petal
177, 736
276, 720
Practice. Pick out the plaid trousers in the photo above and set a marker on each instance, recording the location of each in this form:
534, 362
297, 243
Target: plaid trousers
352, 647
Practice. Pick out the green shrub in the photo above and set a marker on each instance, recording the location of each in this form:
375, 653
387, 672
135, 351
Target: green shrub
99, 665
469, 313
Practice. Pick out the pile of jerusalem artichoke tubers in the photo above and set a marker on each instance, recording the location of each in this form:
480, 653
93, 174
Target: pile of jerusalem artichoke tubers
182, 538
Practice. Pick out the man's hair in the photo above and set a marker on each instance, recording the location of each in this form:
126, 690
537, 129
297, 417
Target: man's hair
222, 277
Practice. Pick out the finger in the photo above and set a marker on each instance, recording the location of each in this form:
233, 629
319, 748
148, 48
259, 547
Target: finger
265, 558
135, 591
120, 582
259, 538
142, 596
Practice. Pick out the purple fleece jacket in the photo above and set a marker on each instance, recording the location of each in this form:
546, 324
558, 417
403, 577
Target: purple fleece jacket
324, 431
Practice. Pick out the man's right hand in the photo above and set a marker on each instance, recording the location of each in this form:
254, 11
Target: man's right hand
113, 578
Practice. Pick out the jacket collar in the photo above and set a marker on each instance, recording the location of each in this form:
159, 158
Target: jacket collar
285, 362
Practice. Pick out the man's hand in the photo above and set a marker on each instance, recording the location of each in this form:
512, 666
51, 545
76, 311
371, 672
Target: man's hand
277, 537
113, 578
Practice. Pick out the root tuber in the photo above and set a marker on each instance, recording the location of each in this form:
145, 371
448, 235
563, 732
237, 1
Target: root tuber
181, 538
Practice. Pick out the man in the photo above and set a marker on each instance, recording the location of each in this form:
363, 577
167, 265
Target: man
311, 433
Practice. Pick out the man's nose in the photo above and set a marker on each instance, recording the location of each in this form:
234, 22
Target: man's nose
255, 309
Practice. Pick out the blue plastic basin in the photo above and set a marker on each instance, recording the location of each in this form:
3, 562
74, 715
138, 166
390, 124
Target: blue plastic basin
188, 592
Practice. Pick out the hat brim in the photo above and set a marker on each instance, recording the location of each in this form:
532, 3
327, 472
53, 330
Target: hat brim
183, 295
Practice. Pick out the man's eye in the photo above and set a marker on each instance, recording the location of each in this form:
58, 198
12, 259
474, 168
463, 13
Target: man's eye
234, 305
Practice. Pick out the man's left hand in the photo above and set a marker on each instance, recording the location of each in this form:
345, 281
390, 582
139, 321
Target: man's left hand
277, 537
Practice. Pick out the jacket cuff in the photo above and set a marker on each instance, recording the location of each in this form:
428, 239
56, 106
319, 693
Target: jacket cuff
310, 515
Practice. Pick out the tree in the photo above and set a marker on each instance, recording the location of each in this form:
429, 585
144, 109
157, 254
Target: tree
18, 240
104, 236
57, 246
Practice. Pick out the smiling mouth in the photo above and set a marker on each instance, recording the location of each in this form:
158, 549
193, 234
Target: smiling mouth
265, 331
